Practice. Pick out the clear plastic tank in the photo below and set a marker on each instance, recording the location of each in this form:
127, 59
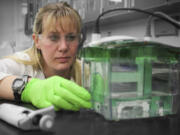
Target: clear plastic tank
132, 79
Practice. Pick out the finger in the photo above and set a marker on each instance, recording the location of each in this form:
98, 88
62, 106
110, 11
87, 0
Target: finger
56, 108
76, 89
72, 98
59, 102
74, 108
84, 104
43, 104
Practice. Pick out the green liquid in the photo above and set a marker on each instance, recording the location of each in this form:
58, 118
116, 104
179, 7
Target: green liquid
133, 79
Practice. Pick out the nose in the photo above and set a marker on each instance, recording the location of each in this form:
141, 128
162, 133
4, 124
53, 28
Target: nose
63, 45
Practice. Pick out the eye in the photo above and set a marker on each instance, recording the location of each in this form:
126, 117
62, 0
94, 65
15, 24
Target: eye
71, 37
54, 38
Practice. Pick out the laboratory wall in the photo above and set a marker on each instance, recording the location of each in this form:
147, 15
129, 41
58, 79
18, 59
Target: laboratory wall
134, 24
16, 23
16, 20
137, 28
12, 21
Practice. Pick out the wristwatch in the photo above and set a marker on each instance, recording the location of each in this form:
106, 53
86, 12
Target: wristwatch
18, 86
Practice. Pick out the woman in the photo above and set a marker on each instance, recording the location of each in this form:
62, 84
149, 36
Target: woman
45, 74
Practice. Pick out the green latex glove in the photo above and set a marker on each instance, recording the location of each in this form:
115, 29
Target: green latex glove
56, 91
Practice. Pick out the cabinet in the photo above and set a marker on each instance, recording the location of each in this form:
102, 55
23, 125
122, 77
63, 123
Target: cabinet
173, 0
93, 10
80, 6
112, 4
147, 4
88, 9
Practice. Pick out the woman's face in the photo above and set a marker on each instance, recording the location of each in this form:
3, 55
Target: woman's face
58, 48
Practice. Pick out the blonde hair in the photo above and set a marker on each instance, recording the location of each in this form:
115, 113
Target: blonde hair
60, 13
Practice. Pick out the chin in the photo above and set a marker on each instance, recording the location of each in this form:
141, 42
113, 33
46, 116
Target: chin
63, 66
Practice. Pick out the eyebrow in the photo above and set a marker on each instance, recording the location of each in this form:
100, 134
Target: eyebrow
58, 33
53, 33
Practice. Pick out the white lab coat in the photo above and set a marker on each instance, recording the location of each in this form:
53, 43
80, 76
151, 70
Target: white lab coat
10, 67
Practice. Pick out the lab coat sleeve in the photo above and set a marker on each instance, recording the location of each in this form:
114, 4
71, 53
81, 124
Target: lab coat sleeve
10, 67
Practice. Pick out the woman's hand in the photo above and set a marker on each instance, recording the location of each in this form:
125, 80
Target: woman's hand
56, 91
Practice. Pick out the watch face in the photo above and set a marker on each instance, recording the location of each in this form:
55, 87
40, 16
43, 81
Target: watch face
18, 83
18, 86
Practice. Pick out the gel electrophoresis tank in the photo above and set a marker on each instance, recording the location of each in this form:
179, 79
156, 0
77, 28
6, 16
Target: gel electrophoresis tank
132, 79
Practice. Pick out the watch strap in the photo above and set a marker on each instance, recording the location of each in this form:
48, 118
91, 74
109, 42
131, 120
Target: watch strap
17, 93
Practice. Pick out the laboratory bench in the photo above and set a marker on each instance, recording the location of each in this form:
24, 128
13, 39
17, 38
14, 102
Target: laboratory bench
87, 122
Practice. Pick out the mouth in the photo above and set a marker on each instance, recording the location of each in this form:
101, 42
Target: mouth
62, 59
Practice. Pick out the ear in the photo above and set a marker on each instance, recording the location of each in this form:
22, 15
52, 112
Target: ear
36, 40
